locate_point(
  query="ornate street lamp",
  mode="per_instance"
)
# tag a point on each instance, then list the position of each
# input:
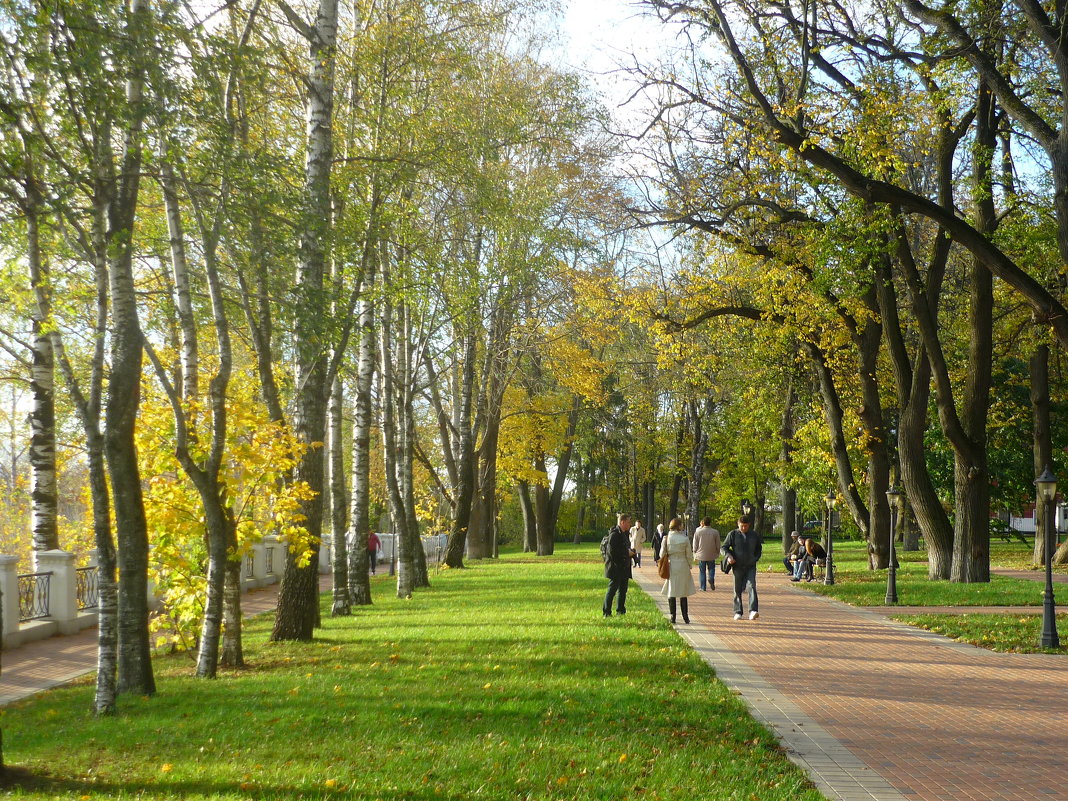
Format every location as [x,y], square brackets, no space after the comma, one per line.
[747,508]
[896,499]
[1047,492]
[828,572]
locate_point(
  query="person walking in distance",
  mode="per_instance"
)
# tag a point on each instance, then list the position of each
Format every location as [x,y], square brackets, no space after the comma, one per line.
[637,540]
[706,545]
[657,541]
[617,565]
[742,549]
[679,585]
[373,546]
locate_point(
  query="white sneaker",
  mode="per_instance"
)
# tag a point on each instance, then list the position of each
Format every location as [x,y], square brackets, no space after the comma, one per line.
[737,616]
[754,615]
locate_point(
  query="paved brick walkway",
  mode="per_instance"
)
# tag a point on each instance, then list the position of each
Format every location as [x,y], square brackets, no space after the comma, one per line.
[40,665]
[876,710]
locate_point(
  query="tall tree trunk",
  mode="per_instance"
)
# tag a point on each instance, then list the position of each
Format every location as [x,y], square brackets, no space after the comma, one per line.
[698,452]
[338,504]
[786,437]
[359,562]
[650,505]
[547,499]
[88,407]
[867,339]
[406,455]
[971,531]
[530,522]
[832,411]
[188,382]
[203,470]
[1042,443]
[676,484]
[391,450]
[912,378]
[465,468]
[42,387]
[582,488]
[232,652]
[124,386]
[298,597]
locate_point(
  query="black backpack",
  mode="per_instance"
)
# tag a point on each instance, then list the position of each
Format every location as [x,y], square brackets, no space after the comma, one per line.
[605,555]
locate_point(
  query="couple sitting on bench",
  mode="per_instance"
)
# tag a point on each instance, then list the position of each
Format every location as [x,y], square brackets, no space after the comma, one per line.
[804,556]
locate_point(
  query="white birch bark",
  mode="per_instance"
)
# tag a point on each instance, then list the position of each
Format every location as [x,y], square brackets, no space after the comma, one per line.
[338,501]
[188,385]
[359,562]
[298,602]
[42,453]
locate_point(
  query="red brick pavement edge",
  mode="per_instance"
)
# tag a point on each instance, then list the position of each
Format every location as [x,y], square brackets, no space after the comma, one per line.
[879,710]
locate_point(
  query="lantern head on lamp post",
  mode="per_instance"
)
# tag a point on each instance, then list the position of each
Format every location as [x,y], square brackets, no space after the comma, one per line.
[1047,492]
[895,497]
[828,573]
[747,508]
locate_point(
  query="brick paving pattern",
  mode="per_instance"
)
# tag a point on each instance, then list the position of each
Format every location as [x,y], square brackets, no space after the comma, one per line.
[879,711]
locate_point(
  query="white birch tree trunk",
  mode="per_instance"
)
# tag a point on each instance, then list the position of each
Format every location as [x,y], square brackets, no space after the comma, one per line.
[298,599]
[359,561]
[42,386]
[338,502]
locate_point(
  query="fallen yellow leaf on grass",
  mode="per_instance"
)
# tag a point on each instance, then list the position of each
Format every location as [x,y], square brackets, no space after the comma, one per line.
[166,767]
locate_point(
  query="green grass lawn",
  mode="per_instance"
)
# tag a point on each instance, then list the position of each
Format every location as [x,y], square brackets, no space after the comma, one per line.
[502,681]
[856,584]
[1013,633]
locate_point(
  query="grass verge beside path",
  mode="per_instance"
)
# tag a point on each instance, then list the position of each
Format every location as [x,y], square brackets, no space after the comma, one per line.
[856,584]
[1006,633]
[499,682]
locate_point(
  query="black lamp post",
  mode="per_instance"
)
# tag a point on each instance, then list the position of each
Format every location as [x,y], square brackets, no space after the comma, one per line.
[828,572]
[894,496]
[1047,492]
[747,508]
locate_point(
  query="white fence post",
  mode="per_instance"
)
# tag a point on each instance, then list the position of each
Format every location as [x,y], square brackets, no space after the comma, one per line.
[259,565]
[9,596]
[63,588]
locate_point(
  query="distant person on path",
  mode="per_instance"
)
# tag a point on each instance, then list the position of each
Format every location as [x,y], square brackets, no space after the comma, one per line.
[706,545]
[794,553]
[658,539]
[742,549]
[617,566]
[637,540]
[676,547]
[374,545]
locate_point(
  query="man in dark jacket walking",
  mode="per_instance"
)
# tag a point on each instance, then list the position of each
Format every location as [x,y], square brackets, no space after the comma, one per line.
[617,566]
[742,549]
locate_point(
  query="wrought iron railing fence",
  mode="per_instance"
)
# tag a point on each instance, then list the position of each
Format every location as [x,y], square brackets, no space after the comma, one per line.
[34,589]
[87,587]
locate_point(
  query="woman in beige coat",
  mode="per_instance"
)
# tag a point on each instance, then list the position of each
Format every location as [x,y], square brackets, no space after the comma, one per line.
[677,549]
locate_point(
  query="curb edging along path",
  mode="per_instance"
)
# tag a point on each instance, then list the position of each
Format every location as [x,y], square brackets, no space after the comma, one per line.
[873,709]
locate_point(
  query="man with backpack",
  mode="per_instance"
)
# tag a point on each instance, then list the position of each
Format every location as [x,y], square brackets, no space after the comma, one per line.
[617,554]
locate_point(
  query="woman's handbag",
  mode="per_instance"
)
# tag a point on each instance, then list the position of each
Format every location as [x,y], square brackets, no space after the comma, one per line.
[663,567]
